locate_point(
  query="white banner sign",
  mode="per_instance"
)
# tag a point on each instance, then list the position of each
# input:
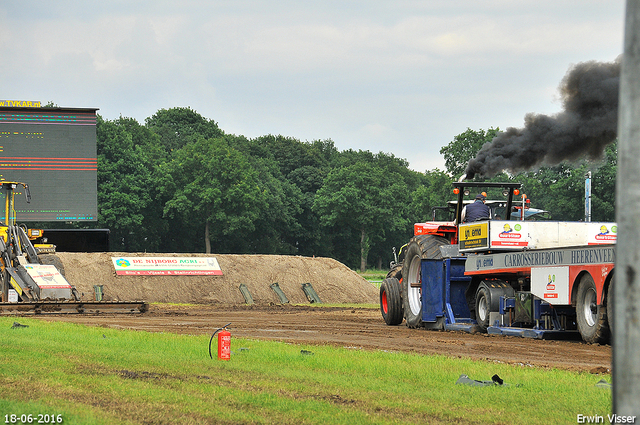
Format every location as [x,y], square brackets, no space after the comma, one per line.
[166,266]
[47,276]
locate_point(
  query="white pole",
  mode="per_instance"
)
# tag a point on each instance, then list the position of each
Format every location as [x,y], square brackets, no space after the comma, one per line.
[626,289]
[587,197]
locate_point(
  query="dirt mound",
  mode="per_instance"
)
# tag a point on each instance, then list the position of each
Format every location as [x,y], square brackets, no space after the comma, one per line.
[332,280]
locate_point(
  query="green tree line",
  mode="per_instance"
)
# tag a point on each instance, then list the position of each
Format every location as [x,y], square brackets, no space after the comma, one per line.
[178,183]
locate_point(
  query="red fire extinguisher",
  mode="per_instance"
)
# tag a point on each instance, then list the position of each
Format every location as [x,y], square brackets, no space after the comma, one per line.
[224,343]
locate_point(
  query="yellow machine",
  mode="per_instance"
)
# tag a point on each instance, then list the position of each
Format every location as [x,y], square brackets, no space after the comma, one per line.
[24,275]
[27,284]
[9,188]
[10,212]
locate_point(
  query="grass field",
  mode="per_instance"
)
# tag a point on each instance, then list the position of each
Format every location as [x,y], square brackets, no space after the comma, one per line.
[374,276]
[93,375]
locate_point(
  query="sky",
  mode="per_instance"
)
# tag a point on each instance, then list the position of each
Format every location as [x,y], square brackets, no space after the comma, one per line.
[402,77]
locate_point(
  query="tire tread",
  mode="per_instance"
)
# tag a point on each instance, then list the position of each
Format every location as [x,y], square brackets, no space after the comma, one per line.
[394,313]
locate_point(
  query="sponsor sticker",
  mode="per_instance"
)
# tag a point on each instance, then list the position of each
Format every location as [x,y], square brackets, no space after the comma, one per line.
[603,233]
[474,236]
[551,284]
[508,234]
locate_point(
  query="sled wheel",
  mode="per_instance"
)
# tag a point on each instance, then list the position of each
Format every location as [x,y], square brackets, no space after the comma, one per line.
[591,317]
[483,303]
[610,308]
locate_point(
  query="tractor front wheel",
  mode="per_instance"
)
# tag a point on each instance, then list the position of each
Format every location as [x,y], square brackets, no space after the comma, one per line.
[391,301]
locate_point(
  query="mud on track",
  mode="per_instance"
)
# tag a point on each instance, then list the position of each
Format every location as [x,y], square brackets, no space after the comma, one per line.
[354,328]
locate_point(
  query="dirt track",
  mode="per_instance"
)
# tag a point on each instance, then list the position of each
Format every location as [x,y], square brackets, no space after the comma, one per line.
[357,328]
[218,302]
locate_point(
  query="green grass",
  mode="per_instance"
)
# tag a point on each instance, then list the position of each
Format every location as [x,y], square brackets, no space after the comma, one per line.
[101,375]
[374,276]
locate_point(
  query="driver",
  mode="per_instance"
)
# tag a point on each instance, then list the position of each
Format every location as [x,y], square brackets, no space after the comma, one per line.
[477,210]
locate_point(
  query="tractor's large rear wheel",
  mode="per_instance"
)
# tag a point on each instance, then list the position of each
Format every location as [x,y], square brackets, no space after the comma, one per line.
[420,247]
[591,317]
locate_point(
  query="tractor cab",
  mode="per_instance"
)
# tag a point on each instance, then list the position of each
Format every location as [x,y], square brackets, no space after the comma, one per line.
[446,219]
[499,197]
[496,232]
[497,210]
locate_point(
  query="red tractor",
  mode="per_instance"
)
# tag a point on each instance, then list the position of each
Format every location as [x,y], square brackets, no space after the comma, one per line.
[400,292]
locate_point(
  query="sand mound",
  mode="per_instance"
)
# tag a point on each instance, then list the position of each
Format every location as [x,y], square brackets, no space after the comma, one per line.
[332,280]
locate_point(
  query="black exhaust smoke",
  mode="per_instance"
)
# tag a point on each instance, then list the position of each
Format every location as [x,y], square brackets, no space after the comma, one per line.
[587,124]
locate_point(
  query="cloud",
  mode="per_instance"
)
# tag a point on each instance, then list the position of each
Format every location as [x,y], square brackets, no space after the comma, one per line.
[404,76]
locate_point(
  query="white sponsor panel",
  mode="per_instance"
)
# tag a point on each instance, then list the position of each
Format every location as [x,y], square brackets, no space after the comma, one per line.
[509,234]
[46,276]
[551,284]
[51,283]
[517,235]
[13,296]
[166,266]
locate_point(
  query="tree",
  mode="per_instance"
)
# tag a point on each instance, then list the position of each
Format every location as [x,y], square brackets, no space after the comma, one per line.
[300,168]
[311,238]
[179,126]
[604,186]
[291,154]
[212,185]
[127,157]
[362,199]
[463,148]
[277,228]
[436,191]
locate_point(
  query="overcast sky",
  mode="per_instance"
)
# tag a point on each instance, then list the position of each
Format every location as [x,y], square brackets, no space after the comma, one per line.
[401,76]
